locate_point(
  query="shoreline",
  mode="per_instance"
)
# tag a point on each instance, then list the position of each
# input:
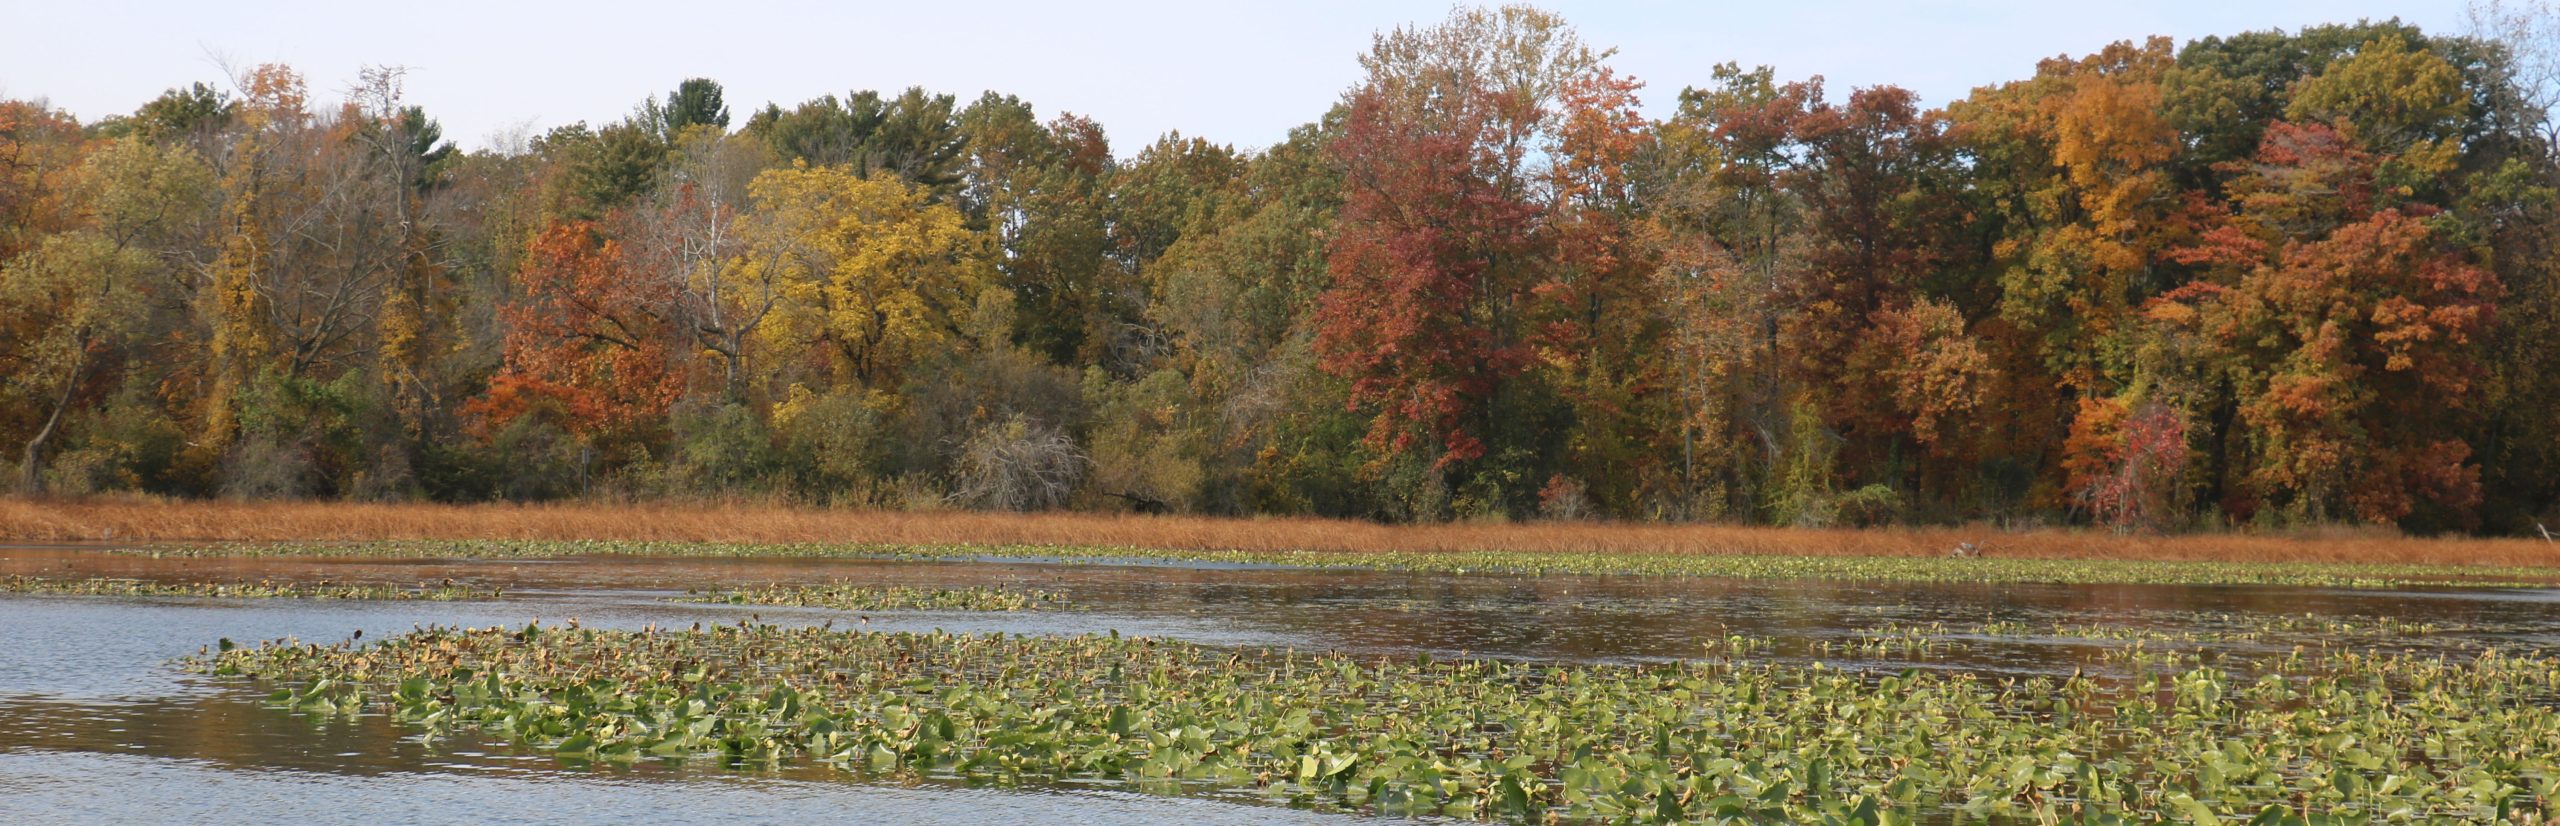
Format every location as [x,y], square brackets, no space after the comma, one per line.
[156,521]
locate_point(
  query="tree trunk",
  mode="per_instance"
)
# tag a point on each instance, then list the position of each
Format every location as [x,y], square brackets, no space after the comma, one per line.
[30,468]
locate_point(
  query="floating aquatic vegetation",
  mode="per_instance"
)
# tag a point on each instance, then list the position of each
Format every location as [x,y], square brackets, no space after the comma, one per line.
[854,597]
[2347,736]
[1890,640]
[1734,566]
[2216,628]
[261,589]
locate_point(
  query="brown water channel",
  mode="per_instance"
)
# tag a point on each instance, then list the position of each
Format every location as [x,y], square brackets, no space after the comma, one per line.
[98,725]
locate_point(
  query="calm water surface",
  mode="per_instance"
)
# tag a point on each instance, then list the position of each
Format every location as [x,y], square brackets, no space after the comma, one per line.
[98,725]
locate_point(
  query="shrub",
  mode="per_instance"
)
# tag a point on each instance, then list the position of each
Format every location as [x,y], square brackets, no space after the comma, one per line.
[1143,449]
[1017,465]
[947,406]
[2127,462]
[720,448]
[539,460]
[1564,499]
[829,442]
[1803,495]
[261,466]
[131,444]
[300,436]
[1868,507]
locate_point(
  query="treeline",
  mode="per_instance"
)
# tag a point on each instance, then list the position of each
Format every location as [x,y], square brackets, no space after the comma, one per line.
[2260,280]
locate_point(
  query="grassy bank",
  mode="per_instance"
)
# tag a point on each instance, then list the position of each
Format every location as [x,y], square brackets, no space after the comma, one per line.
[140,521]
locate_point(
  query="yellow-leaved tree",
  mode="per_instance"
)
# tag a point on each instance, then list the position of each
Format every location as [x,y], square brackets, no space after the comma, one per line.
[78,302]
[871,272]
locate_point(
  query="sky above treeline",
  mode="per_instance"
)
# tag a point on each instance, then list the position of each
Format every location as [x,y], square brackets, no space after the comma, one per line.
[1241,73]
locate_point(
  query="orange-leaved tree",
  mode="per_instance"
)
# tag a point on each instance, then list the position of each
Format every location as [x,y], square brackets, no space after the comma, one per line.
[588,340]
[2348,327]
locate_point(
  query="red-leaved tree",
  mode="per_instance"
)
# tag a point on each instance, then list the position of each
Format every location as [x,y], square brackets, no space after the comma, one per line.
[1459,152]
[587,340]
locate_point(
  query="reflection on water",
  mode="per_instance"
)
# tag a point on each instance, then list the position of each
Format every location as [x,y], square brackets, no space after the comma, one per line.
[58,788]
[90,700]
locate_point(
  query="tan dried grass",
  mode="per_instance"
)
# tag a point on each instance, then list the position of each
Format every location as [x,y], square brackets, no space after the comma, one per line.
[147,520]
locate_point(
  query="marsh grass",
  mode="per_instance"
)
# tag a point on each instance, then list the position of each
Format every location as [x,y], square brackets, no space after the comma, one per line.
[145,520]
[1531,563]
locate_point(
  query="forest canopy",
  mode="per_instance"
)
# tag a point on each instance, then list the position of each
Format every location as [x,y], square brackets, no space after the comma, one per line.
[2266,279]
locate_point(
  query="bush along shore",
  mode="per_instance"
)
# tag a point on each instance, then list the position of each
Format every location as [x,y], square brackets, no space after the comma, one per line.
[2328,737]
[1732,566]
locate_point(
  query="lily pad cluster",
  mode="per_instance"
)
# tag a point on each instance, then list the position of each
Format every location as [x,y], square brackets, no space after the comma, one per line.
[261,589]
[2351,736]
[2195,628]
[858,597]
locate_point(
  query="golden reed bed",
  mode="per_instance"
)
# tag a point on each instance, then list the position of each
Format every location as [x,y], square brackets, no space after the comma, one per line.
[195,521]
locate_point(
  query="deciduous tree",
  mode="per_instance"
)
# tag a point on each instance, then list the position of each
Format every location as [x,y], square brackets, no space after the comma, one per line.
[588,340]
[872,273]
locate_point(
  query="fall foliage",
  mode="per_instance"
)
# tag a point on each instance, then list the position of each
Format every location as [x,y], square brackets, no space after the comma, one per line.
[2261,279]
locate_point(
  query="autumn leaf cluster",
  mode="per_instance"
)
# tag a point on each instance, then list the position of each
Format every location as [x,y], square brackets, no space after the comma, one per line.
[2264,279]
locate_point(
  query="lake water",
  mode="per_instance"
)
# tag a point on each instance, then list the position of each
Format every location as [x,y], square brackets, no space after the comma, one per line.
[98,724]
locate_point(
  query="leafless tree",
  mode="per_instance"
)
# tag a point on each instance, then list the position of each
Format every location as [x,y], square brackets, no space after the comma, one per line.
[1016,464]
[689,236]
[2530,29]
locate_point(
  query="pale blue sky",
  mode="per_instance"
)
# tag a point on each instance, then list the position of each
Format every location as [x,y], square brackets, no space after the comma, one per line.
[1236,73]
